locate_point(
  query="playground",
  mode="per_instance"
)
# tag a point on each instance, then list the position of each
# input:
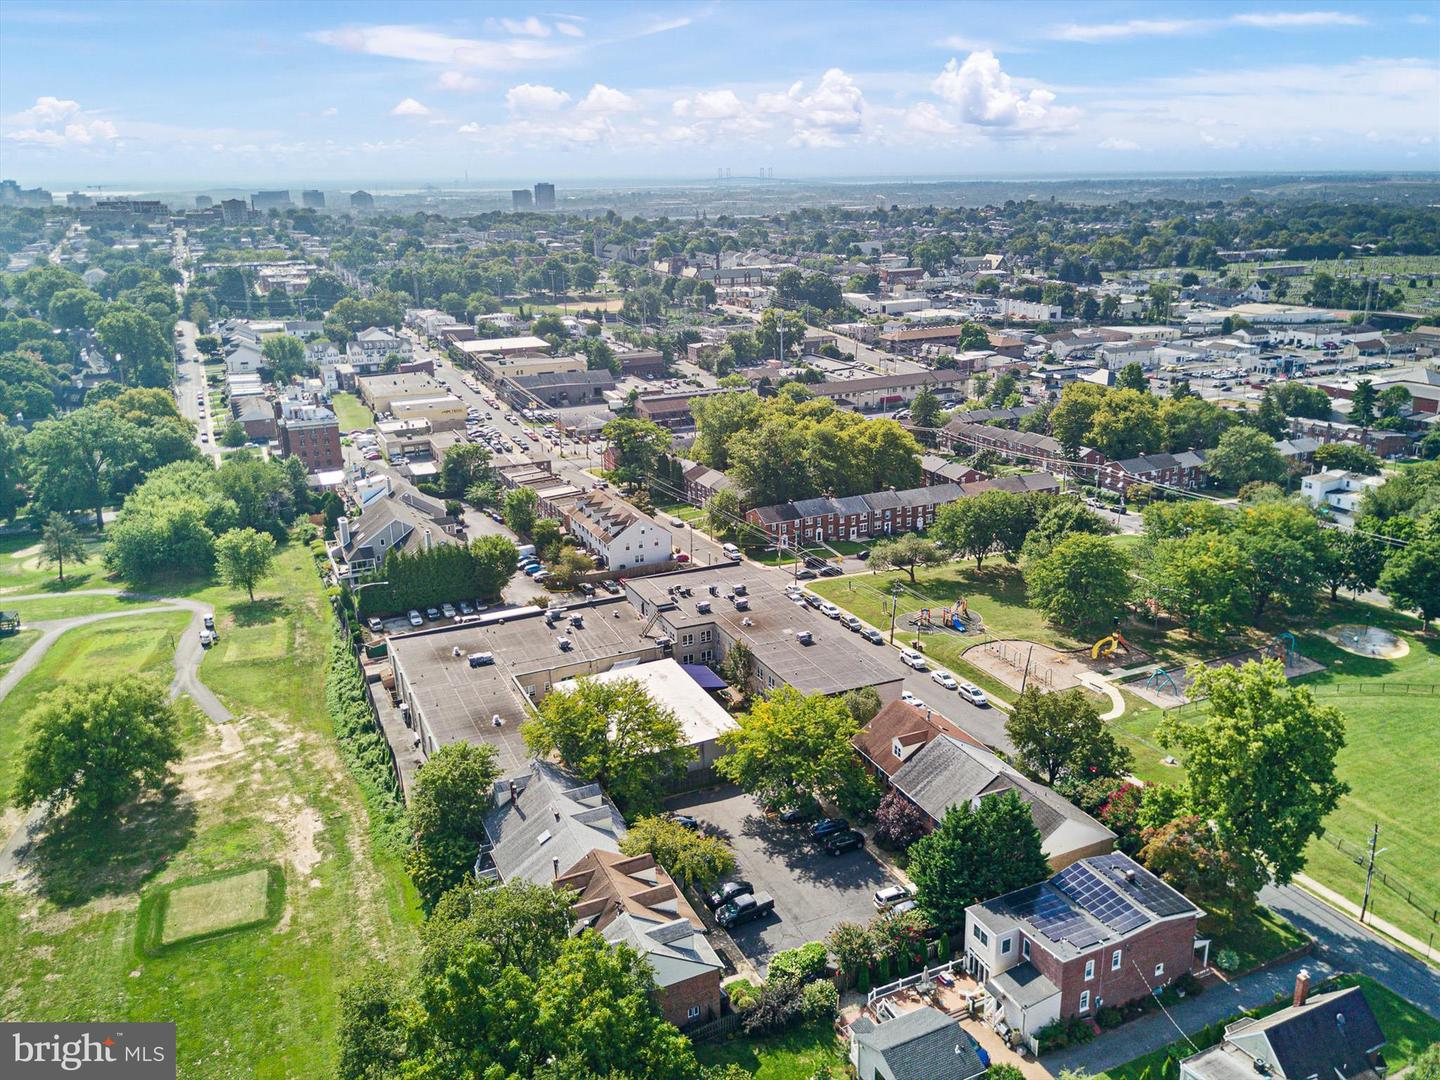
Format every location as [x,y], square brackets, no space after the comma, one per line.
[955,619]
[1169,688]
[1374,641]
[1018,663]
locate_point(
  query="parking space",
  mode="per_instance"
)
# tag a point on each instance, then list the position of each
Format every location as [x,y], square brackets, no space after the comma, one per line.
[813,891]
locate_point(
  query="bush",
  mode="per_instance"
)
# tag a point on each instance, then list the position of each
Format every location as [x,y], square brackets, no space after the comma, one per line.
[1227,959]
[1004,1072]
[898,822]
[819,1000]
[777,1007]
[742,993]
[1109,1017]
[363,746]
[798,965]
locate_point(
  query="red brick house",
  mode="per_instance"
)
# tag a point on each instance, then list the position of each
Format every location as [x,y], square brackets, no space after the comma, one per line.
[1102,931]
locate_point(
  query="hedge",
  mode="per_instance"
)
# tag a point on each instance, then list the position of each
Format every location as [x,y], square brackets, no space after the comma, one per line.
[446,573]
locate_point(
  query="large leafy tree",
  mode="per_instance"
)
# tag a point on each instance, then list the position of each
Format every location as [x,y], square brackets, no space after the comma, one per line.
[956,864]
[1350,560]
[243,558]
[791,748]
[691,857]
[1071,418]
[1184,852]
[724,516]
[1243,455]
[94,747]
[906,553]
[1061,736]
[12,469]
[1202,579]
[1191,423]
[637,446]
[1083,581]
[465,465]
[79,461]
[137,344]
[521,506]
[614,733]
[285,356]
[447,816]
[1282,543]
[1125,424]
[1261,765]
[1412,578]
[985,524]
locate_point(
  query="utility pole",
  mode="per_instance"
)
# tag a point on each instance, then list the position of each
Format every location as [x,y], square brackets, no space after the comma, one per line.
[894,607]
[1370,869]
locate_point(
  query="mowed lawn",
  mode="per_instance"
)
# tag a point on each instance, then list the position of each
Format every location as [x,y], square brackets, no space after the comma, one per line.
[22,572]
[350,412]
[254,1003]
[805,1053]
[70,605]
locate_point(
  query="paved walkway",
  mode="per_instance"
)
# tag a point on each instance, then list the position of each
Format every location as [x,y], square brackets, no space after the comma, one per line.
[188,654]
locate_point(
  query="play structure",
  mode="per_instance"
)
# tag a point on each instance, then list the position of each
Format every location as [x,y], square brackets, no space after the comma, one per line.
[1162,682]
[957,617]
[1108,644]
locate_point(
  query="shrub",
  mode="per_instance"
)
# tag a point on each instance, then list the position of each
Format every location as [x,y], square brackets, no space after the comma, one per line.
[742,994]
[1004,1072]
[798,965]
[362,744]
[1052,1037]
[862,981]
[1109,1017]
[898,822]
[777,1007]
[819,1000]
[1227,959]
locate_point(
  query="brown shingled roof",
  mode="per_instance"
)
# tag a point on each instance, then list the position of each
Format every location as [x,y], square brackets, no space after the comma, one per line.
[912,726]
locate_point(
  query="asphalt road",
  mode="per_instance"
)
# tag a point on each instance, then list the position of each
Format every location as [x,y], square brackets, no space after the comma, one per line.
[190,381]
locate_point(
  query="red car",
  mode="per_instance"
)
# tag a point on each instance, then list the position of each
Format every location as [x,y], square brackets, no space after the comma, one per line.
[681,557]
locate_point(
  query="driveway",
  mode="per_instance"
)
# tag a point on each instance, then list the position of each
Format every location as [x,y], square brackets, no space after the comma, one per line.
[813,891]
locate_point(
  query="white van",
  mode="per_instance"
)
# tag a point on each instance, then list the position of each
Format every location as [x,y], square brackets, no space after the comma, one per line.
[911,658]
[731,552]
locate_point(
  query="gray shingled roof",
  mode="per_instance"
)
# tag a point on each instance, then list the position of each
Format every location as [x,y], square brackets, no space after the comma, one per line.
[923,1044]
[555,817]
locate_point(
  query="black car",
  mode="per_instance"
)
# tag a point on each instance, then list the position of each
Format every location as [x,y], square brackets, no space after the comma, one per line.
[863,554]
[841,842]
[685,821]
[825,826]
[831,570]
[727,892]
[815,562]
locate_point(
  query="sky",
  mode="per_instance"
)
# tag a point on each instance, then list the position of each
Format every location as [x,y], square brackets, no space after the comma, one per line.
[208,92]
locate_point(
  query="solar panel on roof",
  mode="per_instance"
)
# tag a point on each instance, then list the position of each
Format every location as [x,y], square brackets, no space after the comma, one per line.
[1054,918]
[1100,898]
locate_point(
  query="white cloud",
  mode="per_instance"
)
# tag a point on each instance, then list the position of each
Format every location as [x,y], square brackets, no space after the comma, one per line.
[604,99]
[1291,20]
[415,43]
[985,95]
[925,119]
[410,107]
[1093,32]
[710,105]
[469,129]
[530,98]
[835,108]
[330,111]
[457,82]
[1113,143]
[48,110]
[531,27]
[661,26]
[569,29]
[57,122]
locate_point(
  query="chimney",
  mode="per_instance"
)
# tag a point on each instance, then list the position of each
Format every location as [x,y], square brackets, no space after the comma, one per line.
[555,865]
[342,529]
[514,792]
[1302,986]
[557,814]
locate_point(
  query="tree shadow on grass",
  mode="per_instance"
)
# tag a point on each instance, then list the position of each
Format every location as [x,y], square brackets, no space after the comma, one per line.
[258,612]
[78,860]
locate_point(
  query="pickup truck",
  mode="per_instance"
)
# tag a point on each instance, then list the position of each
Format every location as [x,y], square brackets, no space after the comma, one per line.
[744,908]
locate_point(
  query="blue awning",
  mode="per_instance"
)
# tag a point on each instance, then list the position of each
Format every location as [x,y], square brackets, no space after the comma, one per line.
[704,677]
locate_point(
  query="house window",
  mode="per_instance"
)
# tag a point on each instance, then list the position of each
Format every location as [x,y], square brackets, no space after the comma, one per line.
[687,639]
[1115,960]
[693,1012]
[1089,970]
[704,636]
[1084,1001]
[1159,971]
[981,936]
[707,655]
[1005,946]
[688,658]
[1025,948]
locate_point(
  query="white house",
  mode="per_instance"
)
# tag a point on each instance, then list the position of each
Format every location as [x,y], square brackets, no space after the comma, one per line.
[1338,490]
[244,359]
[624,536]
[372,345]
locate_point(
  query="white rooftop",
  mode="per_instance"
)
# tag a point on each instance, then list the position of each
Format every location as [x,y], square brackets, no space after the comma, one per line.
[667,684]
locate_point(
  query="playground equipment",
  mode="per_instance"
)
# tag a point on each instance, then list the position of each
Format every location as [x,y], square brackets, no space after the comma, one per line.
[1162,682]
[1286,648]
[957,617]
[1107,645]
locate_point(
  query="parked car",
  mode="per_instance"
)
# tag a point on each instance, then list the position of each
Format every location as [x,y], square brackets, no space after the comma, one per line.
[910,699]
[831,570]
[677,523]
[796,814]
[850,622]
[685,820]
[829,610]
[945,679]
[806,575]
[912,659]
[532,569]
[414,617]
[863,554]
[432,614]
[610,587]
[376,626]
[465,608]
[875,637]
[743,909]
[888,897]
[448,610]
[727,892]
[973,694]
[904,907]
[811,599]
[841,842]
[207,638]
[825,826]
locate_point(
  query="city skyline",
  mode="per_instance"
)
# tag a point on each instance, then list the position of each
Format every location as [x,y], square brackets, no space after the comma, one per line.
[324,93]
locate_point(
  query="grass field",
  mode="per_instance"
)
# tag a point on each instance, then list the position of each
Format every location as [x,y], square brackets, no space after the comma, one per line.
[803,1054]
[68,606]
[12,647]
[350,412]
[255,1003]
[144,644]
[1408,1029]
[211,906]
[22,572]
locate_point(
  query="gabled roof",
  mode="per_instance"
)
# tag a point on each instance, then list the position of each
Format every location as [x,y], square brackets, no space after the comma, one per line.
[675,950]
[554,821]
[609,884]
[922,1044]
[901,720]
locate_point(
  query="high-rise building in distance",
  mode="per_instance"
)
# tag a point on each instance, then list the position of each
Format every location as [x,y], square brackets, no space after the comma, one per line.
[520,199]
[312,200]
[270,200]
[544,196]
[362,200]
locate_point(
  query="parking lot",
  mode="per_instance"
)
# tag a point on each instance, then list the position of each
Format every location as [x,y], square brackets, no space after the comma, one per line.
[813,891]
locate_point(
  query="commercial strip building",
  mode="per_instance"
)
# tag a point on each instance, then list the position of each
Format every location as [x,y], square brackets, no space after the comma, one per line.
[874,392]
[673,410]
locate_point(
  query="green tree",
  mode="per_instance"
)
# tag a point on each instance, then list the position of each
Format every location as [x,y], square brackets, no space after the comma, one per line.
[693,858]
[568,568]
[1063,518]
[1344,455]
[233,436]
[60,540]
[1125,424]
[12,469]
[791,748]
[1132,377]
[521,506]
[1301,399]
[370,1035]
[1245,454]
[906,553]
[1260,765]
[1071,419]
[1082,582]
[75,309]
[636,446]
[243,557]
[1362,403]
[1191,423]
[285,356]
[1282,543]
[984,524]
[1200,578]
[137,345]
[724,516]
[955,865]
[465,465]
[925,408]
[1061,736]
[447,808]
[1411,578]
[738,667]
[79,461]
[1351,560]
[93,747]
[1184,852]
[208,345]
[613,733]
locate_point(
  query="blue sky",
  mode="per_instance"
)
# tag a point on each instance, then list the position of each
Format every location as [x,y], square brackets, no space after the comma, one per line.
[213,92]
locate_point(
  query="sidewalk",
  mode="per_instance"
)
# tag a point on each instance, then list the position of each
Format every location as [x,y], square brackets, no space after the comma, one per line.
[1349,907]
[1219,1002]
